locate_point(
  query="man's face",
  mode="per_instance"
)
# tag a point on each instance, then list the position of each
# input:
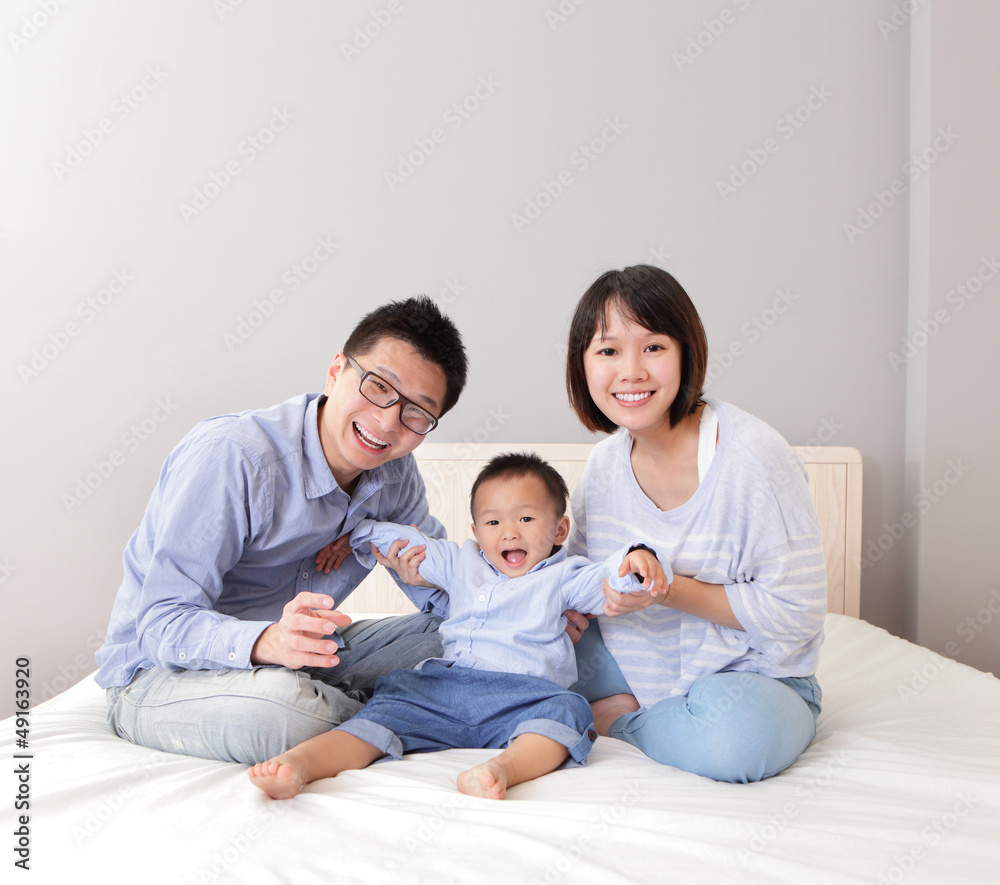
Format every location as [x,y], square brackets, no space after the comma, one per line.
[356,434]
[516,523]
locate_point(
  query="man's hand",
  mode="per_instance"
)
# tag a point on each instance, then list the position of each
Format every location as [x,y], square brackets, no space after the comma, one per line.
[298,639]
[404,563]
[576,623]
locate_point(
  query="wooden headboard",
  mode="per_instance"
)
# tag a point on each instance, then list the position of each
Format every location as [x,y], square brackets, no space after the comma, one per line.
[449,470]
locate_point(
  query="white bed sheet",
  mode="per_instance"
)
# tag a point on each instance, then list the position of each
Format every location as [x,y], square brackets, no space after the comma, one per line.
[902,784]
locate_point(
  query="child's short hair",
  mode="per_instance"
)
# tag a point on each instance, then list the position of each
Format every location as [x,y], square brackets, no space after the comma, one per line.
[512,464]
[420,323]
[653,299]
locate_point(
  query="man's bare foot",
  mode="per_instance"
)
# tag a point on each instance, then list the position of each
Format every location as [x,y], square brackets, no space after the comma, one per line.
[607,710]
[488,781]
[279,780]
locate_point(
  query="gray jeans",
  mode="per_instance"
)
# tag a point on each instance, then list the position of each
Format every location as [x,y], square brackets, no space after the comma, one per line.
[252,715]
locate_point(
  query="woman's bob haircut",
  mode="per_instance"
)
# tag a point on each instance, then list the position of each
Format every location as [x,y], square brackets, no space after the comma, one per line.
[653,299]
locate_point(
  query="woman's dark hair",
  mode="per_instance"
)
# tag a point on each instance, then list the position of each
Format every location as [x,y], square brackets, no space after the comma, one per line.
[513,464]
[418,322]
[653,299]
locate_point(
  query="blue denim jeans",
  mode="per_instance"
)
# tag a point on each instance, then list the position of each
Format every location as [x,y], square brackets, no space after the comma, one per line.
[442,706]
[733,726]
[252,715]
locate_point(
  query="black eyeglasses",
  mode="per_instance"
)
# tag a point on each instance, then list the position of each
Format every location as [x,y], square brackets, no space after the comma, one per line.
[381,393]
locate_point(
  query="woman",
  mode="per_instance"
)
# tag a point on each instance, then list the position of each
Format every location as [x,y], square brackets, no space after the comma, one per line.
[718,667]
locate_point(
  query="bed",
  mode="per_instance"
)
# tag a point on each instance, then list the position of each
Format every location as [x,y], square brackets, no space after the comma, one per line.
[902,783]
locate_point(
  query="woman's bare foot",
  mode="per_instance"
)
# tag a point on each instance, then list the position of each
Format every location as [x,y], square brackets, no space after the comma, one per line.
[488,781]
[607,710]
[280,780]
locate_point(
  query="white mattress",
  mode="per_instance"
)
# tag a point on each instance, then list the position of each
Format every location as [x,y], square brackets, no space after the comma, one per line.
[902,784]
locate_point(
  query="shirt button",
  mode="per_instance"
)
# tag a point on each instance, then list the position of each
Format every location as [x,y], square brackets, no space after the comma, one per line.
[183,656]
[305,574]
[232,656]
[592,734]
[482,597]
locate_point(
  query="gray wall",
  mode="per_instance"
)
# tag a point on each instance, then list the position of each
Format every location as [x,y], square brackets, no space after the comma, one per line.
[170,172]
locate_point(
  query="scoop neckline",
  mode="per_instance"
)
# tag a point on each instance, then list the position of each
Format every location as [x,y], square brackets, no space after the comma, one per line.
[707,482]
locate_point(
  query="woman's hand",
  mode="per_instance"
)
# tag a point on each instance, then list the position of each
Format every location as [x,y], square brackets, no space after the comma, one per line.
[616,603]
[655,585]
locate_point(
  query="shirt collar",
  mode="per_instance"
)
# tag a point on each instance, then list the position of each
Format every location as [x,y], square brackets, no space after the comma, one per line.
[317,478]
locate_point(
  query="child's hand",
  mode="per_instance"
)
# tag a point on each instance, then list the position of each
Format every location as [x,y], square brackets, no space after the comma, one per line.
[645,563]
[655,585]
[333,554]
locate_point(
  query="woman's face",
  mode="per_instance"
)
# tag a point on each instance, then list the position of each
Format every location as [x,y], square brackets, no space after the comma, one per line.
[633,375]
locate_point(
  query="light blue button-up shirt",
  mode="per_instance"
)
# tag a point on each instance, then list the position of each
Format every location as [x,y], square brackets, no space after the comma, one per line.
[242,506]
[513,625]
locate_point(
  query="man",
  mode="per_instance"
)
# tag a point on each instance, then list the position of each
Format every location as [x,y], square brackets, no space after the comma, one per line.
[221,642]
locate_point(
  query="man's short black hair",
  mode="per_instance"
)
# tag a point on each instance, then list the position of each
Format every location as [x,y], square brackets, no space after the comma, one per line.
[420,323]
[513,464]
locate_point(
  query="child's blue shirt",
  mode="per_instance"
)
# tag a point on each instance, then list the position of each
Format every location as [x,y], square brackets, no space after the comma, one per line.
[513,625]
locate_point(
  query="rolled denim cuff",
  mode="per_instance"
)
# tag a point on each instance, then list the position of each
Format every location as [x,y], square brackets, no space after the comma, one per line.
[579,745]
[372,733]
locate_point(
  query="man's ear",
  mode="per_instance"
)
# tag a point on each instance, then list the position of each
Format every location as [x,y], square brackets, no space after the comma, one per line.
[562,530]
[336,367]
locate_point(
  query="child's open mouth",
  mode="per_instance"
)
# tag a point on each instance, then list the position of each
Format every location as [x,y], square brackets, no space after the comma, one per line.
[515,557]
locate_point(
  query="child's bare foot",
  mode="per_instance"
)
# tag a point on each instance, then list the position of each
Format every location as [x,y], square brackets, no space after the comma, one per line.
[607,710]
[488,781]
[280,780]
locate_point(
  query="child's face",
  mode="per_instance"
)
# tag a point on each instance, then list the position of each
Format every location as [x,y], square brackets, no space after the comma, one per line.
[516,523]
[633,374]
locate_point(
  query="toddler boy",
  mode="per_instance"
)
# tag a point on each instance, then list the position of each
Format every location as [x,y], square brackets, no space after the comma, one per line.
[507,663]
